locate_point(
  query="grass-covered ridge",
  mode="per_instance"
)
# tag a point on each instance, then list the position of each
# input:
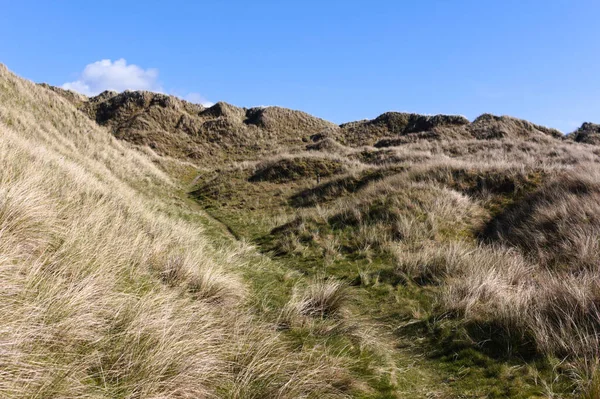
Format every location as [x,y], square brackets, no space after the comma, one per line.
[153,248]
[474,255]
[111,288]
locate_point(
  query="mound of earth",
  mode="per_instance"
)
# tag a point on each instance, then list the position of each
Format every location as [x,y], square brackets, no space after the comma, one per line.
[588,133]
[488,126]
[178,128]
[397,124]
[394,128]
[289,169]
[287,120]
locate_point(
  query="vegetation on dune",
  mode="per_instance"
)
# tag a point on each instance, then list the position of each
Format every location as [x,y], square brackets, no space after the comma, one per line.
[406,256]
[453,242]
[338,187]
[186,131]
[111,288]
[295,168]
[558,223]
[588,133]
[395,128]
[489,126]
[402,124]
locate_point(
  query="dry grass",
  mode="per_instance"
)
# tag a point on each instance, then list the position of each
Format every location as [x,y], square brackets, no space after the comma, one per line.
[558,224]
[322,298]
[104,293]
[395,204]
[558,311]
[317,305]
[506,230]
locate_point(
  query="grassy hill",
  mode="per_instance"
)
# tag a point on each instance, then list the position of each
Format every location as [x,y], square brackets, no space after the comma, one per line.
[174,127]
[154,248]
[479,257]
[112,284]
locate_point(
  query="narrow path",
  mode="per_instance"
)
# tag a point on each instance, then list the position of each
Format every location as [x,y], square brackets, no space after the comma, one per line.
[414,377]
[228,228]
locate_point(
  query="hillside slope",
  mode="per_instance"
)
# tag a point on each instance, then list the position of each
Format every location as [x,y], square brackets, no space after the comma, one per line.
[395,128]
[183,130]
[224,133]
[474,245]
[408,256]
[110,288]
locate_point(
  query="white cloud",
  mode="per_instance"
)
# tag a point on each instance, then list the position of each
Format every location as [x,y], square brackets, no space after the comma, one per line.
[197,98]
[118,76]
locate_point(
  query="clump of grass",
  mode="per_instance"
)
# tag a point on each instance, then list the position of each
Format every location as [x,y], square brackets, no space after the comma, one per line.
[212,284]
[321,298]
[556,312]
[401,210]
[558,224]
[176,269]
[431,264]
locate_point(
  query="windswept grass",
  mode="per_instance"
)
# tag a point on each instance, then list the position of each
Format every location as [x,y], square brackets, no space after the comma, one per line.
[452,259]
[322,298]
[482,250]
[107,292]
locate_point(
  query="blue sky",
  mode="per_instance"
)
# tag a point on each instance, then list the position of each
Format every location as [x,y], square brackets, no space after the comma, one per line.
[340,60]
